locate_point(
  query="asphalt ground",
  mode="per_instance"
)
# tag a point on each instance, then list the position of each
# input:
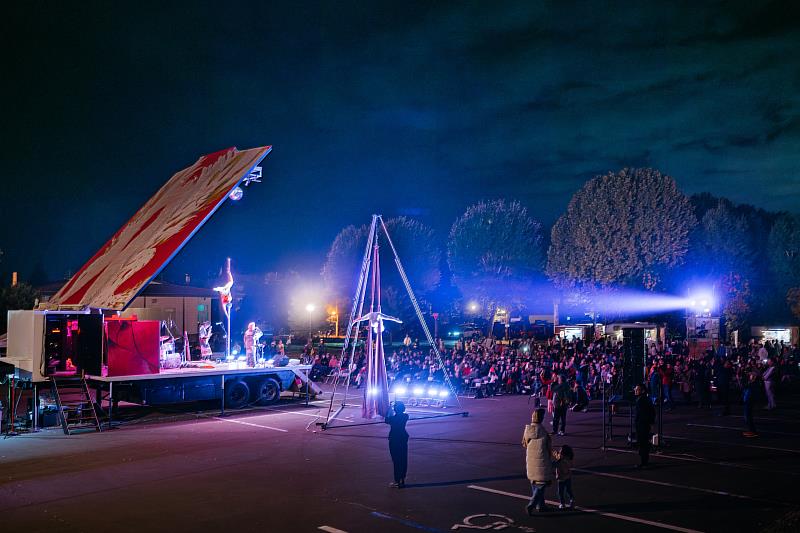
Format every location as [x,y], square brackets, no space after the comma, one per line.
[274,469]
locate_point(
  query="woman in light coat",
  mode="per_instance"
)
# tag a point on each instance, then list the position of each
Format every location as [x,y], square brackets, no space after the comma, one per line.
[538,460]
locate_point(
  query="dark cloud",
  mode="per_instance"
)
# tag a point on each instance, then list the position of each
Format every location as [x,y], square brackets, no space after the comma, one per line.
[392,107]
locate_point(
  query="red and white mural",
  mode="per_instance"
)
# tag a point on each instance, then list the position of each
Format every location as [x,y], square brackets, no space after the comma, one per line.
[146,243]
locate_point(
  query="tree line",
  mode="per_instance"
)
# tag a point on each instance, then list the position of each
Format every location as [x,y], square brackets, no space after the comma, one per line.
[630,229]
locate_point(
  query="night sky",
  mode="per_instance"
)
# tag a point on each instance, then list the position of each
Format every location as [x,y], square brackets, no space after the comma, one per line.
[398,108]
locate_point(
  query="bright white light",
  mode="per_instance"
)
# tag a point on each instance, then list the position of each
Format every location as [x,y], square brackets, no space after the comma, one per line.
[418,391]
[444,393]
[432,392]
[455,333]
[400,389]
[372,391]
[706,310]
[704,302]
[236,194]
[310,308]
[473,306]
[693,303]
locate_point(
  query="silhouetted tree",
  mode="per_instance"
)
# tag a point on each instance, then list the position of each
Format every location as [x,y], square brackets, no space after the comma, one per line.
[20,296]
[621,228]
[494,251]
[416,245]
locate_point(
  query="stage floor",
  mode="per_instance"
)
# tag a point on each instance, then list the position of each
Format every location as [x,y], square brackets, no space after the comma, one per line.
[219,369]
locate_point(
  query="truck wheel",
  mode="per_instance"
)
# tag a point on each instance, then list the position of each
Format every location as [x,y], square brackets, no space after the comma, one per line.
[267,391]
[237,394]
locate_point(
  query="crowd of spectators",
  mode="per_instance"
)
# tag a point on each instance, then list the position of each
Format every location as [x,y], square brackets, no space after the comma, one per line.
[486,367]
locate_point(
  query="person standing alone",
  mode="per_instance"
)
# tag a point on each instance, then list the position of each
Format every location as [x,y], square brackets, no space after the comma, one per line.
[398,442]
[645,416]
[560,405]
[770,377]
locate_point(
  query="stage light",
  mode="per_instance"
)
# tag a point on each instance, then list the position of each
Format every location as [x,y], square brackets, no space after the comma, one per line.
[310,308]
[401,390]
[707,310]
[444,393]
[473,307]
[432,392]
[418,391]
[372,391]
[236,194]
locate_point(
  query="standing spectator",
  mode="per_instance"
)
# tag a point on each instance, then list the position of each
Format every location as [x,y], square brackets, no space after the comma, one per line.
[702,384]
[722,373]
[398,443]
[538,460]
[645,416]
[748,390]
[666,384]
[560,405]
[563,466]
[770,378]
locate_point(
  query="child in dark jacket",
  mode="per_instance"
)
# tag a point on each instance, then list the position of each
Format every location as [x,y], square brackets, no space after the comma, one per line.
[563,466]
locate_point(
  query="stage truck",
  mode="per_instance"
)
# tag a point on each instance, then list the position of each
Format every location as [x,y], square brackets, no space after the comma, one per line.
[77,342]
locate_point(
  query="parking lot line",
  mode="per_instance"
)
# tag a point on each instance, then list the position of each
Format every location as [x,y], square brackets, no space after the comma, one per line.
[742,445]
[673,485]
[626,518]
[740,429]
[243,423]
[695,459]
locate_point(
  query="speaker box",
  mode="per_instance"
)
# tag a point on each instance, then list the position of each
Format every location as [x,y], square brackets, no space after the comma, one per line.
[633,360]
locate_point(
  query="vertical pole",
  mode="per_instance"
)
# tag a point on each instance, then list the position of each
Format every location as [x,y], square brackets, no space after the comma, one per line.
[222,400]
[110,403]
[308,384]
[12,408]
[603,392]
[228,335]
[35,427]
[660,428]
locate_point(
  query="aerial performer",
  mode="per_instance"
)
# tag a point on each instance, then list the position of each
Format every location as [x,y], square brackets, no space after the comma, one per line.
[226,300]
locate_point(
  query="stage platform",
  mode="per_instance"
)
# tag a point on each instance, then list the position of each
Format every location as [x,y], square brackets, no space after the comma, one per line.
[226,369]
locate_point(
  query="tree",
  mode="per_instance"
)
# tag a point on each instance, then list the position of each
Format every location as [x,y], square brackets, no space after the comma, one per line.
[784,251]
[622,228]
[793,299]
[736,293]
[723,252]
[723,243]
[416,245]
[494,250]
[784,259]
[19,296]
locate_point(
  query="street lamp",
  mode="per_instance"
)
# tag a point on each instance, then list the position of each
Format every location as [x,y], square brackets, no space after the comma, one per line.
[310,308]
[473,306]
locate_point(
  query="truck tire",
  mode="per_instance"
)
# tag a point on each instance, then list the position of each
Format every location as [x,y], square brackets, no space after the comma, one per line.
[267,391]
[237,394]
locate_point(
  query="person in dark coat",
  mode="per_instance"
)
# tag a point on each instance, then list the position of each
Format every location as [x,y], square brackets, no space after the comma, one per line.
[722,377]
[748,391]
[560,405]
[645,416]
[398,442]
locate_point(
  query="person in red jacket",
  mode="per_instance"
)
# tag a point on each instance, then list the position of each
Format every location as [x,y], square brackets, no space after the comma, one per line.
[667,375]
